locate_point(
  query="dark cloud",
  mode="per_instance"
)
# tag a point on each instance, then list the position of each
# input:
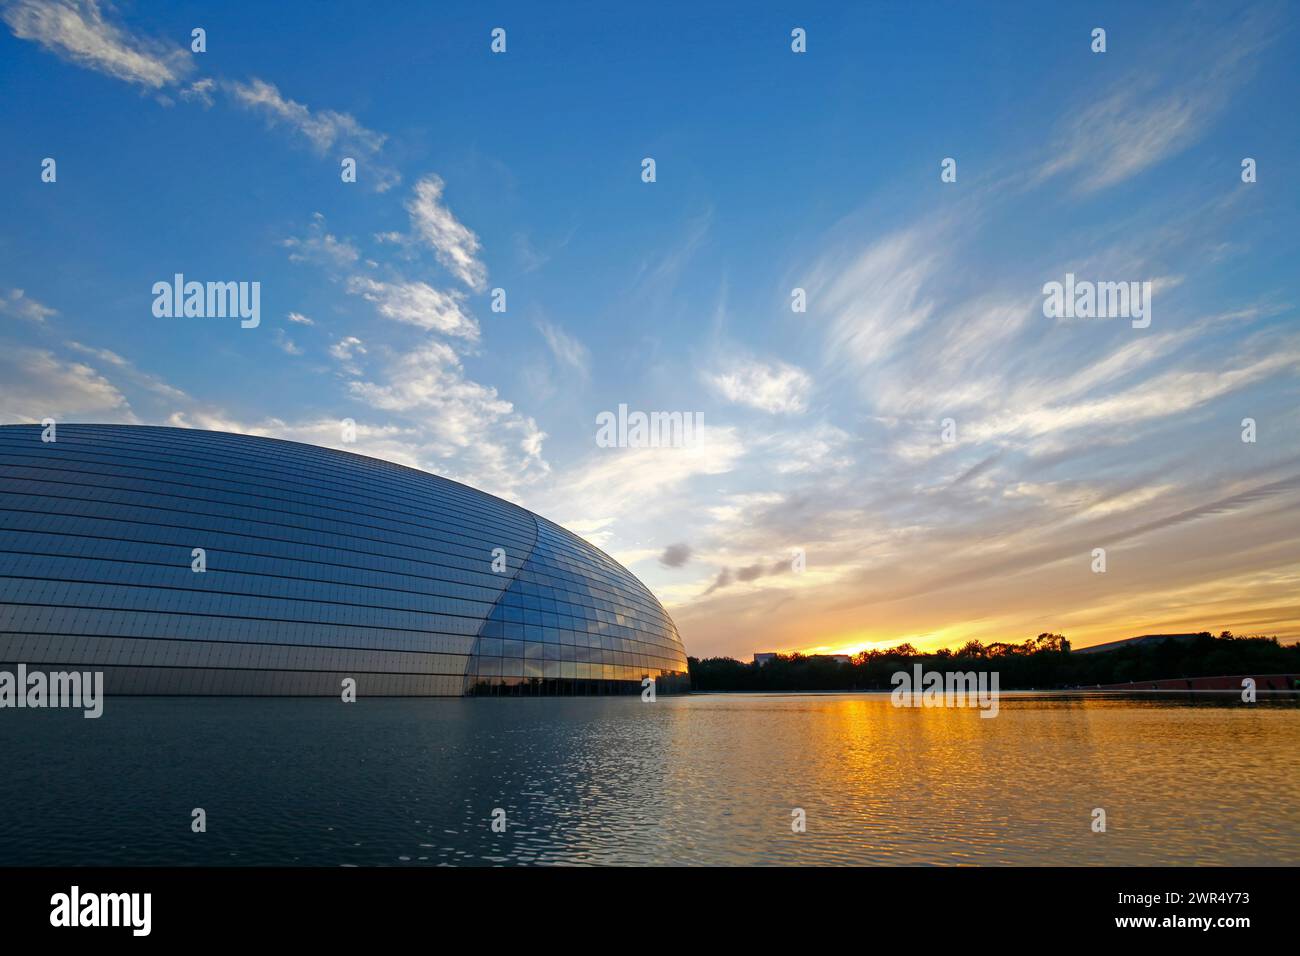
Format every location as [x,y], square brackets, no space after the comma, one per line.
[721,581]
[751,572]
[675,555]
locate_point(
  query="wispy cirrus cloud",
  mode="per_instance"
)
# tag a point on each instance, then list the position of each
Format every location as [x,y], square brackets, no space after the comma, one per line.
[568,351]
[1127,132]
[879,297]
[1175,392]
[1146,117]
[76,30]
[285,344]
[454,244]
[322,129]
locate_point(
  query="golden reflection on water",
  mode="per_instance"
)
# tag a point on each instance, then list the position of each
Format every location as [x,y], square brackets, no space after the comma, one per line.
[880,784]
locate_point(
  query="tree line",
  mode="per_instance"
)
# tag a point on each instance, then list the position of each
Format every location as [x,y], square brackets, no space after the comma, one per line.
[1043,662]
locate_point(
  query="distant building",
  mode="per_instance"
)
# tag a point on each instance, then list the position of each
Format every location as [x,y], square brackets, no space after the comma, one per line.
[1136,641]
[762,660]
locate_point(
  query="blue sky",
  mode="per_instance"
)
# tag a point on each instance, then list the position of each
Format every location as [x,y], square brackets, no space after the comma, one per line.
[775,170]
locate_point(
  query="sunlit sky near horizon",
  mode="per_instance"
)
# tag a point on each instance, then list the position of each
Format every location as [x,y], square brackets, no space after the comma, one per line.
[774,170]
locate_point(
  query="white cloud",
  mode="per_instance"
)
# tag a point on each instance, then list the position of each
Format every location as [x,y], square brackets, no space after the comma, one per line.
[455,246]
[821,448]
[321,247]
[618,485]
[77,31]
[200,91]
[132,374]
[35,384]
[1081,501]
[417,303]
[345,349]
[323,129]
[1172,393]
[16,303]
[768,386]
[299,319]
[431,377]
[467,429]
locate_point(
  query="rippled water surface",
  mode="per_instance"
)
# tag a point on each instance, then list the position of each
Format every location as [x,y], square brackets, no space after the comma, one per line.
[685,780]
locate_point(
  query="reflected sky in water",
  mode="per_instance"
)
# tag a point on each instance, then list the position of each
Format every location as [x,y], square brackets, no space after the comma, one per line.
[708,779]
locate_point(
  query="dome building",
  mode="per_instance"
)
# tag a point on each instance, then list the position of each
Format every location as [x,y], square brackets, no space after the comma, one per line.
[180,561]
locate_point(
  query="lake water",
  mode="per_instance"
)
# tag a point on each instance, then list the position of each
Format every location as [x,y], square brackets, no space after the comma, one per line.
[708,779]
